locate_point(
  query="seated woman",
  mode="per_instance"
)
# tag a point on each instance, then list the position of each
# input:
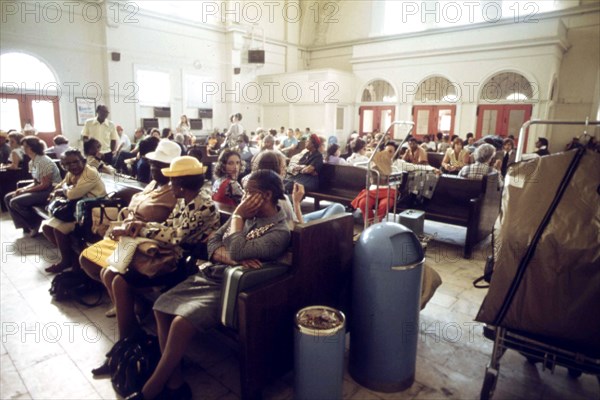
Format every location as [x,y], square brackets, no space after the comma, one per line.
[61,144]
[153,204]
[306,172]
[190,223]
[455,158]
[91,149]
[483,155]
[333,155]
[226,189]
[140,164]
[256,232]
[17,153]
[379,193]
[359,151]
[15,170]
[81,181]
[45,175]
[275,162]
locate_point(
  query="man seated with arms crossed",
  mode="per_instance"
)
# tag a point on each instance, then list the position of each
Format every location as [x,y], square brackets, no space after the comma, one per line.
[415,154]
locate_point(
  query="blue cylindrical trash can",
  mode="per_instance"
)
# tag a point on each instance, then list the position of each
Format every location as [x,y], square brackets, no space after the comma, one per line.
[319,343]
[386,289]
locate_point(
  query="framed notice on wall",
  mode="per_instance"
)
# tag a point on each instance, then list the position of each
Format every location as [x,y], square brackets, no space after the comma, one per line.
[86,109]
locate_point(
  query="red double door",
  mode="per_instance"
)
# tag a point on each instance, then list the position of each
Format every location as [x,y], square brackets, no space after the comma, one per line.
[42,112]
[502,120]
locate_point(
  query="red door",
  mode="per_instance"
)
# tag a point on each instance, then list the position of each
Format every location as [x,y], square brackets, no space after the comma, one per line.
[430,120]
[502,120]
[376,118]
[42,112]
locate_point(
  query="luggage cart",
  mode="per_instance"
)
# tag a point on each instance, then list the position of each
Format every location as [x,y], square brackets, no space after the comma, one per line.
[395,179]
[549,352]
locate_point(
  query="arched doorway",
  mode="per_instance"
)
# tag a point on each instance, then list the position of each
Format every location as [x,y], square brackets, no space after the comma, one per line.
[505,104]
[433,109]
[29,96]
[378,116]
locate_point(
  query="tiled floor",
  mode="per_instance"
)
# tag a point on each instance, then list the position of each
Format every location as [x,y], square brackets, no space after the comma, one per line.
[48,348]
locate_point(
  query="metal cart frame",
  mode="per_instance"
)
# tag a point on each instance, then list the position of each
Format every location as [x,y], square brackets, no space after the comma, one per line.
[533,348]
[392,179]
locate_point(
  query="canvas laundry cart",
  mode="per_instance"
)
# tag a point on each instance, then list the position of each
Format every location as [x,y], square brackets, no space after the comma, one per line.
[545,290]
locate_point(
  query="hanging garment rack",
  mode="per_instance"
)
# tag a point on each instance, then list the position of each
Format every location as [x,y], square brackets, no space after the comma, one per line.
[526,125]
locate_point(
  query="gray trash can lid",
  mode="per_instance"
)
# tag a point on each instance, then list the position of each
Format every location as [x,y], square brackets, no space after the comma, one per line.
[320,321]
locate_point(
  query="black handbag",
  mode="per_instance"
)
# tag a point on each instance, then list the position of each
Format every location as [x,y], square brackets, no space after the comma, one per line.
[63,209]
[132,361]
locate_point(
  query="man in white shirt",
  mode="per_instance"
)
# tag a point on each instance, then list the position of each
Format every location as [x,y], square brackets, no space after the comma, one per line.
[103,130]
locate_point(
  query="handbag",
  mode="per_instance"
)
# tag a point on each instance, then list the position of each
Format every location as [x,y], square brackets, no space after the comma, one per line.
[63,209]
[132,361]
[94,216]
[152,260]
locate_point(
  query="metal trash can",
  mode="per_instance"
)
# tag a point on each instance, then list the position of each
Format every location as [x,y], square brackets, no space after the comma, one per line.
[319,342]
[386,290]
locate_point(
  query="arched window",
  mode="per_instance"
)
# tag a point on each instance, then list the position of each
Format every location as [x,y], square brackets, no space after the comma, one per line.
[507,86]
[25,71]
[436,89]
[379,91]
[29,94]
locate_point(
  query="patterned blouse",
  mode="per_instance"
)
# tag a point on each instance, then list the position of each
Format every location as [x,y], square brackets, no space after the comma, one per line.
[187,223]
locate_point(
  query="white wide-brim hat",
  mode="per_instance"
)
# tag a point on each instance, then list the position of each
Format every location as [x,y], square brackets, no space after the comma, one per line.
[165,152]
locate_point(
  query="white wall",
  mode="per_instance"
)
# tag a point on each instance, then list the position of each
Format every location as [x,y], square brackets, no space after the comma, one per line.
[307,99]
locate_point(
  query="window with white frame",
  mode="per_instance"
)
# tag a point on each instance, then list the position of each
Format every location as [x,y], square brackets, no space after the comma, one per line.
[154,88]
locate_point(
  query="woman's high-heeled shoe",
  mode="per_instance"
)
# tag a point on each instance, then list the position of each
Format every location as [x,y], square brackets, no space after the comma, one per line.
[104,369]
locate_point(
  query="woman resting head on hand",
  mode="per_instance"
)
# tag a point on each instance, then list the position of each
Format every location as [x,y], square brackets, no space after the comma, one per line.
[256,232]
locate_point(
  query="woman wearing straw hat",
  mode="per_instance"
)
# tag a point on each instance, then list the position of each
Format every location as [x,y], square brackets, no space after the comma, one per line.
[188,226]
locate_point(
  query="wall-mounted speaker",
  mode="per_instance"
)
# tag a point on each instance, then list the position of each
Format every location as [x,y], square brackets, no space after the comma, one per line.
[237,70]
[256,56]
[162,112]
[115,56]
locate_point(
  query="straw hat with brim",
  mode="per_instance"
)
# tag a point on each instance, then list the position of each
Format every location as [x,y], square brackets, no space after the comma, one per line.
[184,166]
[165,152]
[383,162]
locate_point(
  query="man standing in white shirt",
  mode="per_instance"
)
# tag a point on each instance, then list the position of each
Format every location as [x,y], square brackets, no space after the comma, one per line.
[103,130]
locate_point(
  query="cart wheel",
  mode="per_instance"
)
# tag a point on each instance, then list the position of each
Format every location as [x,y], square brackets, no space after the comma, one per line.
[489,385]
[574,373]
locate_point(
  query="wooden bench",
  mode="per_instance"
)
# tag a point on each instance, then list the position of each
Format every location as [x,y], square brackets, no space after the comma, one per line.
[470,203]
[435,159]
[342,183]
[339,183]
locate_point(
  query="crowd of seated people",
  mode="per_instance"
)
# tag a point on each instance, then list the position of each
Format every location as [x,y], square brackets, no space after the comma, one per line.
[178,208]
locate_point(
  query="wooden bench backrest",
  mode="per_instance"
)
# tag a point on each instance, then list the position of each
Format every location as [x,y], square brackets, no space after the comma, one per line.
[453,189]
[435,159]
[342,176]
[321,258]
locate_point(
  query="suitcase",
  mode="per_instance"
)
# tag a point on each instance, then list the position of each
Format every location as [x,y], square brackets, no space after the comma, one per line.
[236,279]
[413,220]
